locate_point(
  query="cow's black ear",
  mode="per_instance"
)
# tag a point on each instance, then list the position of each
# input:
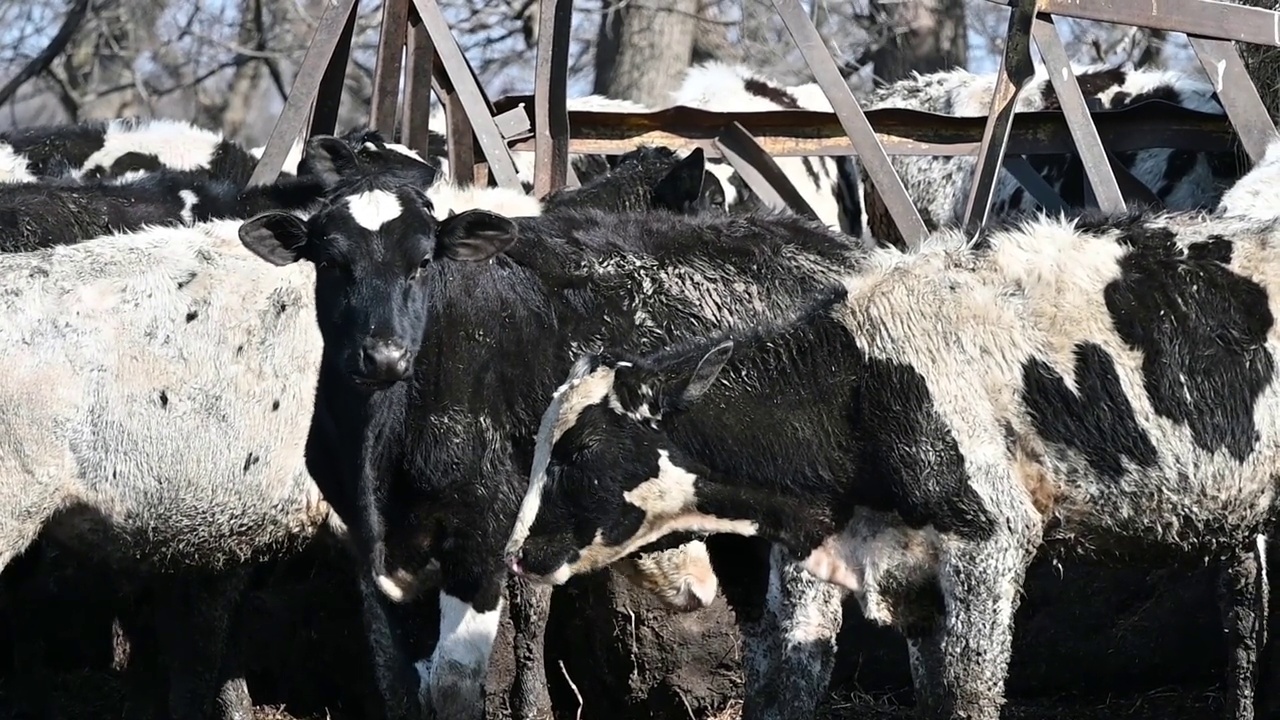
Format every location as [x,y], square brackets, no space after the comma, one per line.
[277,237]
[328,159]
[681,187]
[474,235]
[708,369]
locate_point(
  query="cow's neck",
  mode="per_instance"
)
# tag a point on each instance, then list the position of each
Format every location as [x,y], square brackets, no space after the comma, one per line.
[771,433]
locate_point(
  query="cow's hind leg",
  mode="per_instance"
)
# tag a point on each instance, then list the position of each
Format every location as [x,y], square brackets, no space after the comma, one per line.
[1242,597]
[194,618]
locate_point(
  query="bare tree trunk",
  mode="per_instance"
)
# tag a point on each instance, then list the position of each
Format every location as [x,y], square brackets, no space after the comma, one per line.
[643,49]
[929,35]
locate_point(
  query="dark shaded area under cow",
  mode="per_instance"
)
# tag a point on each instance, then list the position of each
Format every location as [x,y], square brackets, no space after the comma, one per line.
[1115,643]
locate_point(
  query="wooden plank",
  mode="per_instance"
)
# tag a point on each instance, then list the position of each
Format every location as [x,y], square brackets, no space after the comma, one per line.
[386,71]
[849,112]
[416,111]
[760,171]
[303,93]
[1237,93]
[468,96]
[1015,70]
[1101,179]
[324,114]
[551,116]
[1203,18]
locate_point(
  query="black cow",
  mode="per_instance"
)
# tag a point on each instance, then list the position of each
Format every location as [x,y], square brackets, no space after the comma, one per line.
[444,337]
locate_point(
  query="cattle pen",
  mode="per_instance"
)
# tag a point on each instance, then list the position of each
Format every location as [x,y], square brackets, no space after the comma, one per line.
[1131,643]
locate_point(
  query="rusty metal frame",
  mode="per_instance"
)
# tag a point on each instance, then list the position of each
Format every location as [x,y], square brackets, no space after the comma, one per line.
[550,98]
[1237,93]
[415,120]
[1015,70]
[386,72]
[874,159]
[759,171]
[320,55]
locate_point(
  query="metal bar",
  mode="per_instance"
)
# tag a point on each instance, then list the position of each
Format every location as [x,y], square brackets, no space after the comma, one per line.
[515,123]
[1134,189]
[386,73]
[855,124]
[303,92]
[1034,183]
[1015,69]
[324,115]
[550,111]
[468,94]
[1101,180]
[760,171]
[416,111]
[462,142]
[1237,93]
[1203,18]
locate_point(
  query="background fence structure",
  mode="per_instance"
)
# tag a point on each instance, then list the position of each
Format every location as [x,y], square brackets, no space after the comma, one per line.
[482,132]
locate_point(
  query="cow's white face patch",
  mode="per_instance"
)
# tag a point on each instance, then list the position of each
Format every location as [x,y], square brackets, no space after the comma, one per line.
[374,208]
[189,200]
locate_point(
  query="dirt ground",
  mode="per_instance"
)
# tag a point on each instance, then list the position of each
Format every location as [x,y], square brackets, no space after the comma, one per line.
[1140,644]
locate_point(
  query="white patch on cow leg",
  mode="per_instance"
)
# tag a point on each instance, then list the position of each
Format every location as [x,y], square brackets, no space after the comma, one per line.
[453,679]
[374,208]
[14,167]
[189,200]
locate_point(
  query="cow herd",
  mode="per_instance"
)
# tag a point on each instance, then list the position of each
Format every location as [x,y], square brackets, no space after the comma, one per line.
[481,394]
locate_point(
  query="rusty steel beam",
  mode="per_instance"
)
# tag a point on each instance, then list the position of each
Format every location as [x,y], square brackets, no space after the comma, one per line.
[760,171]
[1101,179]
[1015,70]
[303,93]
[786,133]
[1237,93]
[1203,18]
[416,110]
[1033,182]
[855,124]
[386,71]
[467,96]
[550,111]
[324,114]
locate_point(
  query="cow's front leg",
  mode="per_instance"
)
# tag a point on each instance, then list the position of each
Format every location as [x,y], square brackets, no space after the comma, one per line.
[1242,598]
[452,681]
[982,584]
[808,613]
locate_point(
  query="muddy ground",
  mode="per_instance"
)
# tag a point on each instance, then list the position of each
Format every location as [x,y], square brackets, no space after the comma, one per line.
[1091,643]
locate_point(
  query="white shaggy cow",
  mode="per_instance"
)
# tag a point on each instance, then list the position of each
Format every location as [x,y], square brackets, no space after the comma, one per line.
[1104,386]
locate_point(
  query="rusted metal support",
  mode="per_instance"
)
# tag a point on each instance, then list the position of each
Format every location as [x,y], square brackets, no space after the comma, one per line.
[787,133]
[760,171]
[462,141]
[386,73]
[468,97]
[1204,18]
[1134,189]
[1237,93]
[416,110]
[1093,156]
[849,112]
[324,115]
[303,93]
[550,112]
[1015,69]
[1033,182]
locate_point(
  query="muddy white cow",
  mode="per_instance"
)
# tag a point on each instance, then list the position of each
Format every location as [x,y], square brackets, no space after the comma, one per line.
[1098,386]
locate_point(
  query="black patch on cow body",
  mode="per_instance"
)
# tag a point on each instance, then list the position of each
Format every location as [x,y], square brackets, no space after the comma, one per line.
[164,399]
[192,315]
[776,95]
[249,461]
[1097,420]
[1202,330]
[275,405]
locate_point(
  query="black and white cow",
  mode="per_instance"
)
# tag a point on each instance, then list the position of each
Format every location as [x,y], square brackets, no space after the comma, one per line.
[443,337]
[939,186]
[1098,386]
[60,211]
[647,178]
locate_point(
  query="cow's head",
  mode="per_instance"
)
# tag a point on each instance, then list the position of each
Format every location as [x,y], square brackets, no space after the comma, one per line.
[333,160]
[372,241]
[606,479]
[648,178]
